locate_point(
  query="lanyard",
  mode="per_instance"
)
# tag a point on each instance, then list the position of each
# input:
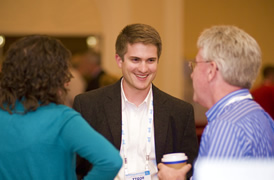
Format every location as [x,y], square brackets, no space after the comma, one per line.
[148,135]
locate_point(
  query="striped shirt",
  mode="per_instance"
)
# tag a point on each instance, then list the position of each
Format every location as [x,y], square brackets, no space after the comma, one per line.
[237,127]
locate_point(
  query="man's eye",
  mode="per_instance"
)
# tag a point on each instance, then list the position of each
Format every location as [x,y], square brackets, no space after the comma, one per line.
[151,60]
[134,59]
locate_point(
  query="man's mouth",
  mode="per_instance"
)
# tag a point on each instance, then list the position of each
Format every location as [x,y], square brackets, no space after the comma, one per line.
[142,76]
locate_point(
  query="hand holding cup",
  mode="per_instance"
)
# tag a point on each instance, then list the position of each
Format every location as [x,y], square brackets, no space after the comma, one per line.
[173,167]
[175,160]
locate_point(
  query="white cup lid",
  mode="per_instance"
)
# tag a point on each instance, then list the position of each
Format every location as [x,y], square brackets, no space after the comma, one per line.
[174,158]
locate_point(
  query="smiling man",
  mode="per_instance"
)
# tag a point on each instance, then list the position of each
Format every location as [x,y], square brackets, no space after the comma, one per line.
[140,120]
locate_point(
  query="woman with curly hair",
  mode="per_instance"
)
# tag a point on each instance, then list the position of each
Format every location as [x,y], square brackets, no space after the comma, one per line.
[39,137]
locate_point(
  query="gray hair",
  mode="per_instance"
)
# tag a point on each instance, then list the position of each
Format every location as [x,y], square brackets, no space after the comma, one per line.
[236,53]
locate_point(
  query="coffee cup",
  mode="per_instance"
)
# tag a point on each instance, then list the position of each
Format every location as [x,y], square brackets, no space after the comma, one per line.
[175,160]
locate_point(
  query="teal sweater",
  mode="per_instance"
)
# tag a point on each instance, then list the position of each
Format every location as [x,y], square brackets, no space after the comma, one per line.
[43,144]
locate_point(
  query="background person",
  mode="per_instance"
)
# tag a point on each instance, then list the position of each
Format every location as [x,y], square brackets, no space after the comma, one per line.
[152,123]
[39,136]
[264,94]
[75,86]
[225,68]
[89,66]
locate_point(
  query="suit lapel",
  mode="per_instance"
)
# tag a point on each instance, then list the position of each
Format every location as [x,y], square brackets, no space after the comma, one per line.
[161,120]
[113,113]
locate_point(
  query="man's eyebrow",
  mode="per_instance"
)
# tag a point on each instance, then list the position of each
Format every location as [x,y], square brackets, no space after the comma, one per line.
[134,57]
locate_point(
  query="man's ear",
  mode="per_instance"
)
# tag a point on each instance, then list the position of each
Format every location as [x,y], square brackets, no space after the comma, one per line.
[119,60]
[212,71]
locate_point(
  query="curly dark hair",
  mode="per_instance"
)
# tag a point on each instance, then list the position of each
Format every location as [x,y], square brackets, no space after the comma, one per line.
[34,72]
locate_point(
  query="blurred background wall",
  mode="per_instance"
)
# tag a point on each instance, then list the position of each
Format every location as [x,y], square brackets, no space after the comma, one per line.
[179,23]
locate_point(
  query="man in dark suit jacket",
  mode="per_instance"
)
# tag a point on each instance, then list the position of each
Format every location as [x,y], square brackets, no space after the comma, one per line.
[173,119]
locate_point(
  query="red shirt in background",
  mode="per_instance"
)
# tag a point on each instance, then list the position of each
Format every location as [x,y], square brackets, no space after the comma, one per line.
[264,95]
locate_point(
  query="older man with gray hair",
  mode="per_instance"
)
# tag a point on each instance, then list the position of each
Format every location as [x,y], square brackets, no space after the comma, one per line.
[225,68]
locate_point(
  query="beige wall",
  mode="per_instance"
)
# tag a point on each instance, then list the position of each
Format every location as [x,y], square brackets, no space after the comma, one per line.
[67,17]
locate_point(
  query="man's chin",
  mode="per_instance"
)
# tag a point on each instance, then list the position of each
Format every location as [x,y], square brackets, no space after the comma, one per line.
[142,87]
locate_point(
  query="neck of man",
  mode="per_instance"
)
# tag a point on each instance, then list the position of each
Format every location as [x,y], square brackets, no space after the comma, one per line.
[135,96]
[223,90]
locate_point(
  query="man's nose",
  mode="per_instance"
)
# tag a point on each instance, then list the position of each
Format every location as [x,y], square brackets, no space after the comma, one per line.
[143,67]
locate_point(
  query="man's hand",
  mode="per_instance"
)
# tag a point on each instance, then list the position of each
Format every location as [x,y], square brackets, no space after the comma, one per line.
[167,173]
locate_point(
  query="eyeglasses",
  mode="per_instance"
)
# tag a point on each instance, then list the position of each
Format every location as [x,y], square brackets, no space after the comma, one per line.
[192,64]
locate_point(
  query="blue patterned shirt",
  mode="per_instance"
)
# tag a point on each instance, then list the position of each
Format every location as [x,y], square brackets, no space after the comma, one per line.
[237,127]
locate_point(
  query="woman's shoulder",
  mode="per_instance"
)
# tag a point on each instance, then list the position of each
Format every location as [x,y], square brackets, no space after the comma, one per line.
[58,111]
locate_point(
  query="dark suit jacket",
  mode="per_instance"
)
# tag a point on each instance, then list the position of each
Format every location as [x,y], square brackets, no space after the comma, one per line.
[174,125]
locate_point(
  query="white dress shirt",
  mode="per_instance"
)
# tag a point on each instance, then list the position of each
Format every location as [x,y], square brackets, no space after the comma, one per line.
[136,130]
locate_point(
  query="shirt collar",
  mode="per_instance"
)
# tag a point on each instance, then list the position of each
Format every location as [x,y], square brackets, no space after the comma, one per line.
[217,108]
